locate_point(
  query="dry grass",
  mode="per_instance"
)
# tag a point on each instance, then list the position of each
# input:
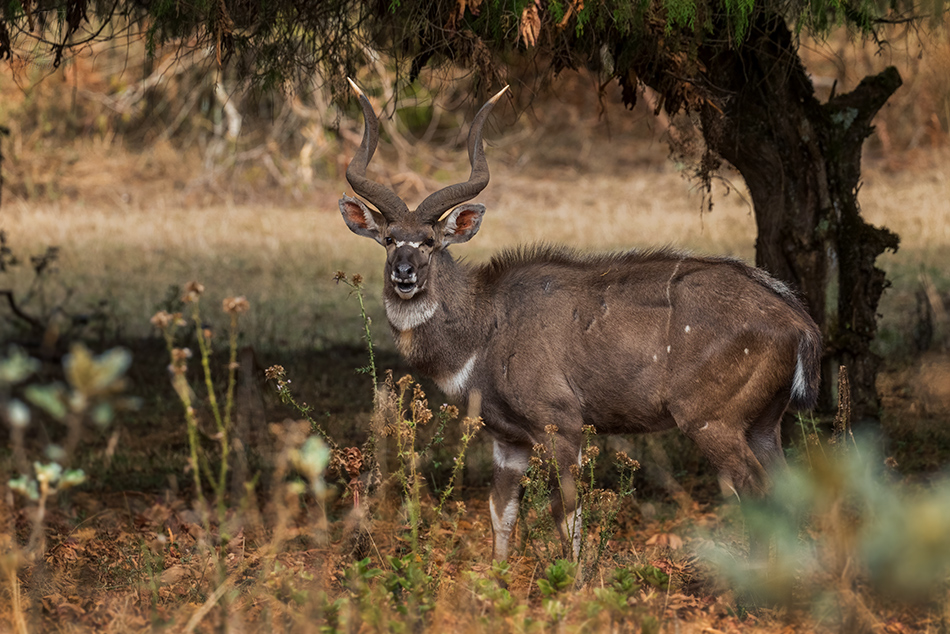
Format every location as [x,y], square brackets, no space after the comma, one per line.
[285,257]
[129,250]
[133,239]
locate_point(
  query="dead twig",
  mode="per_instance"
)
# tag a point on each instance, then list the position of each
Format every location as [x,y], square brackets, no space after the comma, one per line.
[35,324]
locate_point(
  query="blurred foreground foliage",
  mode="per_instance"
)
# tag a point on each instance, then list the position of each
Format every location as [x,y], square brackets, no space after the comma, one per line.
[850,537]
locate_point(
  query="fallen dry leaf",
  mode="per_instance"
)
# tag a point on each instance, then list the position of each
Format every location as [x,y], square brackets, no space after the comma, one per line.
[574,7]
[173,575]
[530,26]
[670,540]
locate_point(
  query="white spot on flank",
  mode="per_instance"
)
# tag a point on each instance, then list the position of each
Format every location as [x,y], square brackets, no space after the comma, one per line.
[405,316]
[687,328]
[654,357]
[746,351]
[668,349]
[509,459]
[705,425]
[455,384]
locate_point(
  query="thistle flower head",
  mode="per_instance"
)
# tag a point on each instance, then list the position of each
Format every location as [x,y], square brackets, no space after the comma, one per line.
[193,291]
[162,319]
[450,411]
[472,425]
[179,362]
[235,305]
[627,461]
[590,453]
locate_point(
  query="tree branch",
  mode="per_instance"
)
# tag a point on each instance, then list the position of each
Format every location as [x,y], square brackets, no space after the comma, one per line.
[33,321]
[869,96]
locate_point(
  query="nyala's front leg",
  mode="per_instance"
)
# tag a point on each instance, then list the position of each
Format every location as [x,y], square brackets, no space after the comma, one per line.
[510,463]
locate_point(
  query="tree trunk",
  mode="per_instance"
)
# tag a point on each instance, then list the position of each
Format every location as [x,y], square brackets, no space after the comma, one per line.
[801,161]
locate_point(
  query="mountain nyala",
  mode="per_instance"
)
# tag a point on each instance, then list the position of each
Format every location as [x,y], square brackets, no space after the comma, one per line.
[549,338]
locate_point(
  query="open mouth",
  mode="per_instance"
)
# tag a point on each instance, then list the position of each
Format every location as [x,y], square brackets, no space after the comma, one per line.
[405,288]
[406,285]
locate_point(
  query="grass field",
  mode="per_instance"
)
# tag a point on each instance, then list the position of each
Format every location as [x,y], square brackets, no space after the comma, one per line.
[136,548]
[283,256]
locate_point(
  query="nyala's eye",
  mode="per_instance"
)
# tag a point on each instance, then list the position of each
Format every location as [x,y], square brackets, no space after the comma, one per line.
[389,240]
[429,243]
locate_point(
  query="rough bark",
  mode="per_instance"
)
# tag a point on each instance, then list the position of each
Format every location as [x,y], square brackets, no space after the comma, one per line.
[801,160]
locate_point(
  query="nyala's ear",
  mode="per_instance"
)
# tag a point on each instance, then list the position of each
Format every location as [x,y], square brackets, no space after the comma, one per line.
[462,223]
[361,220]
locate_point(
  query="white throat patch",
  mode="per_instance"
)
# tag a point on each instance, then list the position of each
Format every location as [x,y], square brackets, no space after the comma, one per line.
[456,384]
[406,316]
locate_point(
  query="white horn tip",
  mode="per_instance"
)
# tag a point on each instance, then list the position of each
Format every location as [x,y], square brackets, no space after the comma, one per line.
[499,94]
[356,88]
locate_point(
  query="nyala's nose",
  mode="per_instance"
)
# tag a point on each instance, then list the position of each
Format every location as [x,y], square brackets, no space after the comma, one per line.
[405,270]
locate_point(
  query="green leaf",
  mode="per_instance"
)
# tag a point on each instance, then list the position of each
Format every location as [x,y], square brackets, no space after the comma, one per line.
[49,398]
[560,576]
[680,13]
[25,486]
[625,582]
[610,599]
[653,576]
[17,367]
[555,610]
[92,376]
[50,472]
[102,414]
[363,570]
[311,460]
[501,571]
[546,588]
[72,477]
